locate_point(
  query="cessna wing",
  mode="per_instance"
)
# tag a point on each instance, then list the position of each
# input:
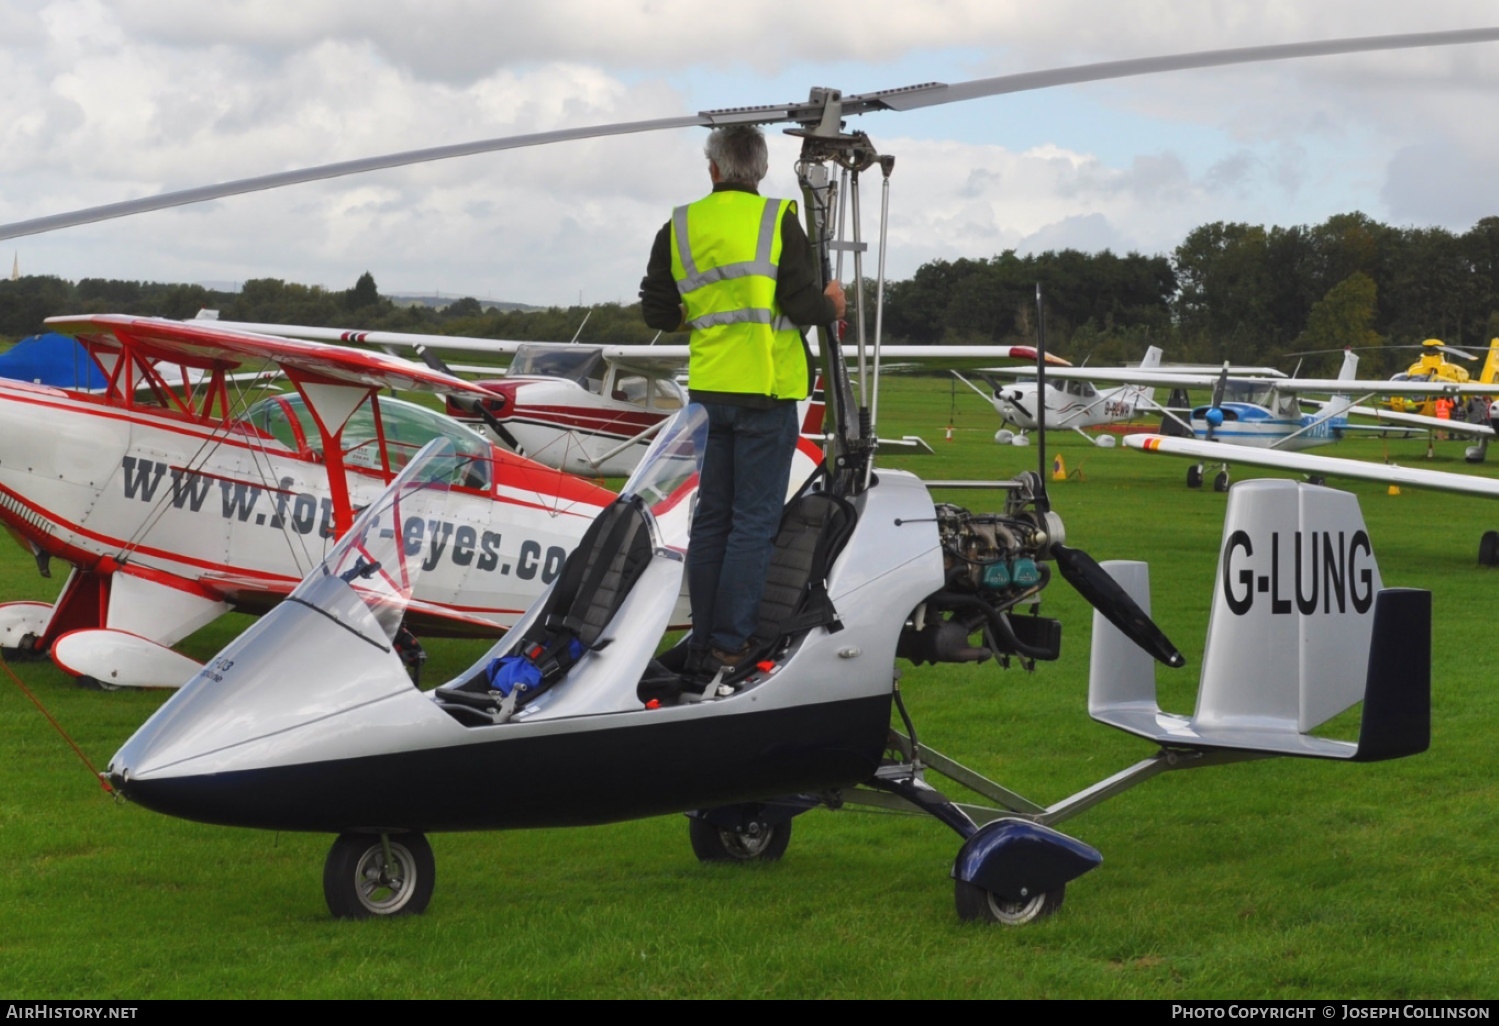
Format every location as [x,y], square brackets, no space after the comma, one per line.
[1418,420]
[1332,466]
[661,359]
[1319,466]
[1172,379]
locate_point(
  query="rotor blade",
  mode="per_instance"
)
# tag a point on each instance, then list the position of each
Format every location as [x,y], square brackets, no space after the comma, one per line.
[1104,594]
[914,97]
[280,179]
[806,112]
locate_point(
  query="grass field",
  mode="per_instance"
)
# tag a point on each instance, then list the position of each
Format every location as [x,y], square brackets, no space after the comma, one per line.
[1271,879]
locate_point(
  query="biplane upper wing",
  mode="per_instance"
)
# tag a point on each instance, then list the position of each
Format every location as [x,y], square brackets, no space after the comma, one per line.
[207,344]
[1323,466]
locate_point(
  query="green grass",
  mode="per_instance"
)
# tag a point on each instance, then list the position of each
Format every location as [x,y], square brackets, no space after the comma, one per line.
[1278,879]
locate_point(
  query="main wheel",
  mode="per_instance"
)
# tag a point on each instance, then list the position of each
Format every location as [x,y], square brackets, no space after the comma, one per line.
[1488,549]
[358,882]
[764,842]
[978,905]
[1194,476]
[1220,481]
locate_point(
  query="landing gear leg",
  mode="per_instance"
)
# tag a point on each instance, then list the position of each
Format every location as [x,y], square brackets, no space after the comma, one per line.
[385,875]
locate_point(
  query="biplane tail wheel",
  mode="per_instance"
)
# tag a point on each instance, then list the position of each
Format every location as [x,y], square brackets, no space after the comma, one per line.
[976,905]
[1194,476]
[1220,481]
[1488,549]
[760,842]
[359,880]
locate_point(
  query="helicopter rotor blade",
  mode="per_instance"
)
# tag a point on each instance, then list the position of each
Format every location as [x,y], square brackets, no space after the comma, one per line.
[805,112]
[1104,594]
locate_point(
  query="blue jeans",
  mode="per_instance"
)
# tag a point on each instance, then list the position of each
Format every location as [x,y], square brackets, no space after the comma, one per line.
[739,501]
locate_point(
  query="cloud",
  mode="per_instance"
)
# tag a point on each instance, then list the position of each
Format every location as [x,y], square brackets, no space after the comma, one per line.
[109,101]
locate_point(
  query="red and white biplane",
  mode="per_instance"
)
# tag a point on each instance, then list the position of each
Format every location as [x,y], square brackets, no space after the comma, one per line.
[173,503]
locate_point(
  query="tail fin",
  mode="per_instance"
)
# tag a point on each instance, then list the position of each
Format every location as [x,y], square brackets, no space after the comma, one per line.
[1152,359]
[1340,403]
[1490,372]
[1300,631]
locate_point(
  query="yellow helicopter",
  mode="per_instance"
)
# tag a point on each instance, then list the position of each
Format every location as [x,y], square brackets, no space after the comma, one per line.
[1433,365]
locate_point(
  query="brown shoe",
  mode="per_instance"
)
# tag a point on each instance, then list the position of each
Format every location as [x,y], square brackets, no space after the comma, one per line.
[730,660]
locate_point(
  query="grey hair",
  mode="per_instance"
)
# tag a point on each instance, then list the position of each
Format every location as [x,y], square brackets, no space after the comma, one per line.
[739,153]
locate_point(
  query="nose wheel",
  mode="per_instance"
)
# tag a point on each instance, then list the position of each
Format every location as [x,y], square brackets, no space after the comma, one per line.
[976,905]
[378,875]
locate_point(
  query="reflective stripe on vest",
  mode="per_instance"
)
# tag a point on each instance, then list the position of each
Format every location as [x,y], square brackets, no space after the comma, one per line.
[740,341]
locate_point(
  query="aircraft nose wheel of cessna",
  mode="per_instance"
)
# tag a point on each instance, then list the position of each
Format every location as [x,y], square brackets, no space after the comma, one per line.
[757,842]
[378,875]
[978,905]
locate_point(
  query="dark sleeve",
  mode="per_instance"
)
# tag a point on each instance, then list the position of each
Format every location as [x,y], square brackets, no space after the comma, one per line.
[660,303]
[798,280]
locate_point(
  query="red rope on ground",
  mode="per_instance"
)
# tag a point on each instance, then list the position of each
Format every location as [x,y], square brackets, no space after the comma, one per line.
[103,781]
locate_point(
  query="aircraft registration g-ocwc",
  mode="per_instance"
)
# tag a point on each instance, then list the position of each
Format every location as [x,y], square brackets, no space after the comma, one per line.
[309,722]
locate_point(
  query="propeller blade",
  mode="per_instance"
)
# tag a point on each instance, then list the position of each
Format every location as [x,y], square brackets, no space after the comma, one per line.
[804,112]
[1104,594]
[471,404]
[1219,387]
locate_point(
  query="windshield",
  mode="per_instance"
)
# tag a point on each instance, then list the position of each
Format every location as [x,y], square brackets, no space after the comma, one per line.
[581,364]
[405,427]
[666,479]
[366,582]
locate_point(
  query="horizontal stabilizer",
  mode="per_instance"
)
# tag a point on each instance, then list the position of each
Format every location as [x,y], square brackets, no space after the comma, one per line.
[1300,631]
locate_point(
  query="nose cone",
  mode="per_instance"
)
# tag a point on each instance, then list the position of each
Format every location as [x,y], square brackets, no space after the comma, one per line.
[287,692]
[1012,408]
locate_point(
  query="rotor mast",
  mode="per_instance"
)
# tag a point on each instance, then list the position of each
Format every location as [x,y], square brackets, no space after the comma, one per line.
[851,441]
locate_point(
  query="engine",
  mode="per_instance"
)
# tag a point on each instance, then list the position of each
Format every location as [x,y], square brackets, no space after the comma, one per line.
[993,563]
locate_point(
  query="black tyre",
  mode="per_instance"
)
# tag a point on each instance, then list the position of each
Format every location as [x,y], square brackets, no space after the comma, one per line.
[1194,476]
[1319,481]
[1488,549]
[976,905]
[1220,481]
[358,883]
[761,842]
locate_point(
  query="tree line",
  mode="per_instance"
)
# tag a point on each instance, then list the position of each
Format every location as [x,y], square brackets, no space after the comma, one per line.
[1232,291]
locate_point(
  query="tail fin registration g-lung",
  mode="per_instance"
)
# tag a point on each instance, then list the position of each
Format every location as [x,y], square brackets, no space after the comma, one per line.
[1301,630]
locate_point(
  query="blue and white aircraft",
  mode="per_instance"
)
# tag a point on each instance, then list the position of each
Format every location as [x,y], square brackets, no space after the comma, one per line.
[1264,412]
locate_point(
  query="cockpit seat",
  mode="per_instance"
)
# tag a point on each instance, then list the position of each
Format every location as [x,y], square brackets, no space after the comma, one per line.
[814,528]
[595,581]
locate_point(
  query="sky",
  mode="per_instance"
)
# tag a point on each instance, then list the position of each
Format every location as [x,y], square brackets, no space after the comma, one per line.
[111,101]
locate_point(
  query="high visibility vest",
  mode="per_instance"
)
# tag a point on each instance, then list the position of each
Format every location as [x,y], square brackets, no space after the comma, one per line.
[725,251]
